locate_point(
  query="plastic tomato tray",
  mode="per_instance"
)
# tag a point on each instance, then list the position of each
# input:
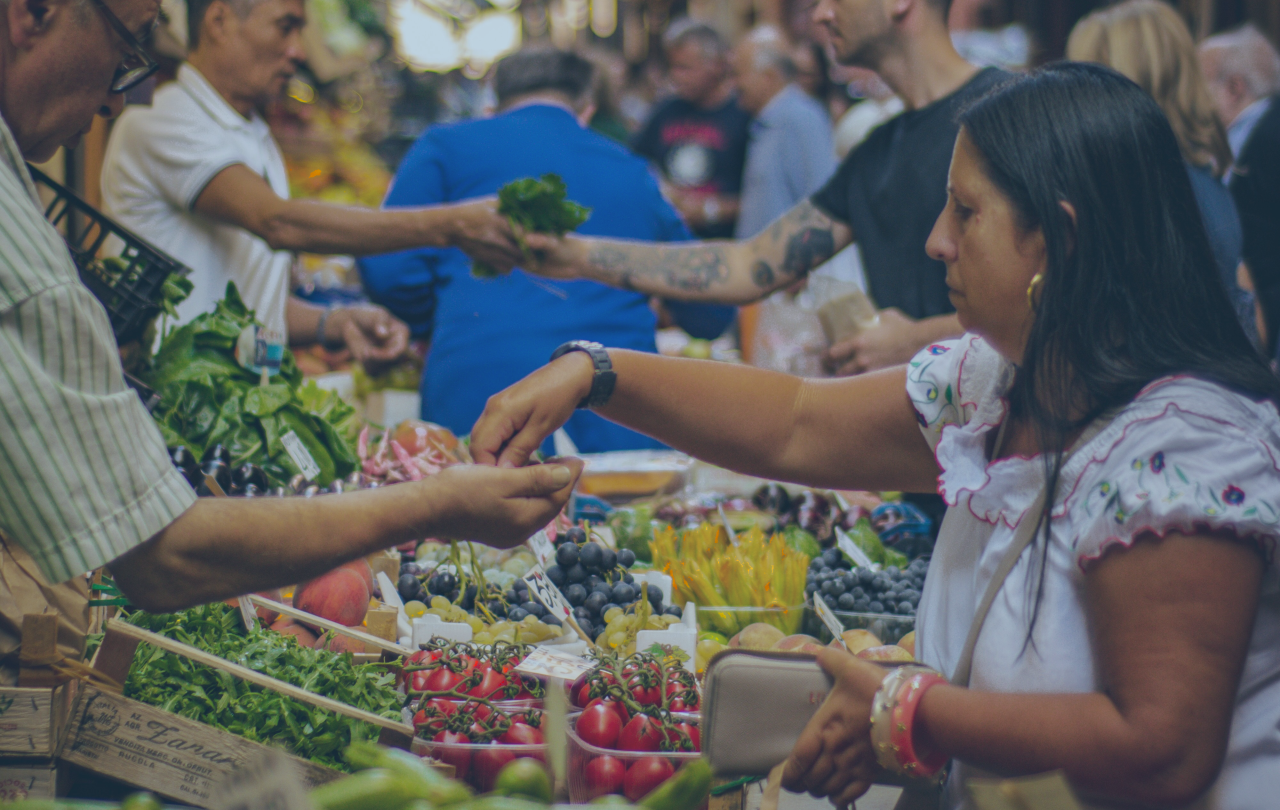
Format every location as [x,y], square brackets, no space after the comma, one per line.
[478,764]
[581,753]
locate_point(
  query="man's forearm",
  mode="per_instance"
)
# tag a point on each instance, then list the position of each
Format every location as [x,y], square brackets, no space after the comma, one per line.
[226,547]
[317,227]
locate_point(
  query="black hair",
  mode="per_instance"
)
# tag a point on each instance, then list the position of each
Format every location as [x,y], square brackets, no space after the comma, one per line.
[1130,292]
[195,18]
[535,70]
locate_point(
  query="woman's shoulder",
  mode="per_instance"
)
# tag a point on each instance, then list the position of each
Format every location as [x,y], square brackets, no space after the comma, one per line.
[958,382]
[1186,455]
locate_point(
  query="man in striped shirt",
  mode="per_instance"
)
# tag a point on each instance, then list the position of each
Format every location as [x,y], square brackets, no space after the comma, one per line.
[85,479]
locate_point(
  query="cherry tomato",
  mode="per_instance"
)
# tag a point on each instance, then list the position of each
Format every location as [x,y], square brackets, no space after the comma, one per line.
[623,714]
[580,691]
[644,695]
[604,775]
[599,725]
[441,680]
[486,764]
[433,714]
[644,775]
[459,758]
[641,733]
[674,737]
[478,710]
[521,734]
[493,681]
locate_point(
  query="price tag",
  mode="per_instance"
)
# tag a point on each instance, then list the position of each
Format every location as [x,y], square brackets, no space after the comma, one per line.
[829,619]
[542,548]
[845,543]
[265,782]
[260,350]
[545,591]
[248,613]
[546,663]
[301,455]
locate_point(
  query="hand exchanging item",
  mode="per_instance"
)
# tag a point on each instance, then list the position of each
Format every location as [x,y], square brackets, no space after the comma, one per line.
[374,336]
[517,420]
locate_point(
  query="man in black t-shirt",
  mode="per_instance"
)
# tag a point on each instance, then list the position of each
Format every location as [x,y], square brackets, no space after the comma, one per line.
[698,139]
[885,196]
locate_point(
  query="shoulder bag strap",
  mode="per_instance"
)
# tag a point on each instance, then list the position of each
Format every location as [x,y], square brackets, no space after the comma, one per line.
[1022,537]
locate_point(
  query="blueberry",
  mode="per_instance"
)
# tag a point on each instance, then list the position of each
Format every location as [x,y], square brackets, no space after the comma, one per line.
[815,564]
[837,587]
[810,587]
[576,594]
[831,557]
[876,607]
[674,610]
[858,593]
[594,602]
[906,608]
[826,588]
[567,555]
[610,560]
[866,576]
[846,601]
[624,594]
[863,605]
[591,556]
[516,614]
[557,576]
[576,574]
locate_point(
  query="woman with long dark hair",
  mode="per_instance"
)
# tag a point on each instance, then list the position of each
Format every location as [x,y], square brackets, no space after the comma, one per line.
[1102,597]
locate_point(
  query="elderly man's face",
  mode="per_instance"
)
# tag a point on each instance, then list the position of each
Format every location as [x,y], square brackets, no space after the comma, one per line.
[265,48]
[756,86]
[66,55]
[695,75]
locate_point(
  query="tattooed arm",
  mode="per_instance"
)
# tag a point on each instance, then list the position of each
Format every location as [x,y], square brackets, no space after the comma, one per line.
[726,272]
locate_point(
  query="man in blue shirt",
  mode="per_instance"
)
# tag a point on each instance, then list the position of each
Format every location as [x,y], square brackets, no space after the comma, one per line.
[487,334]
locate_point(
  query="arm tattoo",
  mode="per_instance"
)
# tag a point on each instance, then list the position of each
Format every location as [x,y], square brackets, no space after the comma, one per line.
[762,274]
[806,250]
[640,267]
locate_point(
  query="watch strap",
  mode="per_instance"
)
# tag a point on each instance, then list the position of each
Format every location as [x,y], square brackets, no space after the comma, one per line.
[603,379]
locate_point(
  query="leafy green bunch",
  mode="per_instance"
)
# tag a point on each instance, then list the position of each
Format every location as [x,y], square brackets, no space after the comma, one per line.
[207,695]
[208,398]
[538,206]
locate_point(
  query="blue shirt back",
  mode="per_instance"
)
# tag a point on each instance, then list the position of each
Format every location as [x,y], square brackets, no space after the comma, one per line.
[488,334]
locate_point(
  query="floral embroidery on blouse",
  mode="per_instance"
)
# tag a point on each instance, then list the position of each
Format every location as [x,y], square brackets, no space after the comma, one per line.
[934,407]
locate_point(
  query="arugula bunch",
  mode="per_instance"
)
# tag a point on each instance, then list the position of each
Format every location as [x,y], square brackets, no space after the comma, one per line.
[538,206]
[208,398]
[216,698]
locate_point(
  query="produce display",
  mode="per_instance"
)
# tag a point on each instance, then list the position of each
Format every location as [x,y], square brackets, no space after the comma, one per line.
[538,206]
[184,687]
[410,452]
[207,399]
[891,590]
[637,726]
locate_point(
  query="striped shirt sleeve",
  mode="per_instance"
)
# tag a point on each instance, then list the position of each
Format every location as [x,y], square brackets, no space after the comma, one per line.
[84,475]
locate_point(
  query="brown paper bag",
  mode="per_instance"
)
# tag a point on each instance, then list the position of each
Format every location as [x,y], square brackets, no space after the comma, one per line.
[23,590]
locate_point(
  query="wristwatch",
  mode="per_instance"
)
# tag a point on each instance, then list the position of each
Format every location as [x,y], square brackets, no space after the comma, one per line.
[603,380]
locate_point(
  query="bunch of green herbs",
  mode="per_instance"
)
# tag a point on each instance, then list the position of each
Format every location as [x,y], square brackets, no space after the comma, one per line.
[208,398]
[538,206]
[216,698]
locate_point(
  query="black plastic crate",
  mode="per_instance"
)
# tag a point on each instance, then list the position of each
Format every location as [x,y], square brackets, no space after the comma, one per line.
[132,296]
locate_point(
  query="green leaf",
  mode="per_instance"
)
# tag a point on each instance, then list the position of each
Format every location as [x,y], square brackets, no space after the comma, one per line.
[265,400]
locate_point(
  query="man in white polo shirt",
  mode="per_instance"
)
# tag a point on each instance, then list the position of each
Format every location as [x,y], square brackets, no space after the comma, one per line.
[199,175]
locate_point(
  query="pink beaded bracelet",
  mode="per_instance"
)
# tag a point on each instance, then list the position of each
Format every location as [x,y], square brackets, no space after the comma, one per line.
[902,728]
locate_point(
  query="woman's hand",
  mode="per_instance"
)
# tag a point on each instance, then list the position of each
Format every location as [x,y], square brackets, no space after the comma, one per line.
[833,756]
[516,421]
[500,507]
[375,337]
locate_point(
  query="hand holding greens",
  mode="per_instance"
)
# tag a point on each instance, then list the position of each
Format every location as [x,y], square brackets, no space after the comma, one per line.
[537,206]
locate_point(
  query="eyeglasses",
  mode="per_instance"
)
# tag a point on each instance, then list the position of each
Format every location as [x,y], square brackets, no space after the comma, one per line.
[139,65]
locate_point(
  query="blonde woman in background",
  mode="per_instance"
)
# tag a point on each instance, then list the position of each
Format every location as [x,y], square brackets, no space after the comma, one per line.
[1148,41]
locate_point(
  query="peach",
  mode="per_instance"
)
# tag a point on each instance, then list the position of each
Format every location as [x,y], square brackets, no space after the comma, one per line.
[341,644]
[361,566]
[908,643]
[339,596]
[886,652]
[758,636]
[795,642]
[289,627]
[859,640]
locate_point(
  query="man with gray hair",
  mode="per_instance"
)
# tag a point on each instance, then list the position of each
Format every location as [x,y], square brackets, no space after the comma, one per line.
[698,138]
[1243,70]
[790,153]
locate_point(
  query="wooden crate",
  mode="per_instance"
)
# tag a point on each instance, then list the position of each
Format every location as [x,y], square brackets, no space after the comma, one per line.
[27,779]
[32,721]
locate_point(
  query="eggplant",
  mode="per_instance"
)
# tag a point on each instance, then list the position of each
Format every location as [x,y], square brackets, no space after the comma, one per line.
[251,491]
[772,498]
[247,475]
[220,473]
[217,452]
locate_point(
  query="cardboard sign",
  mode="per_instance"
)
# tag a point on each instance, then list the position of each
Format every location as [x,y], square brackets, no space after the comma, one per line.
[547,663]
[829,619]
[301,455]
[269,782]
[542,548]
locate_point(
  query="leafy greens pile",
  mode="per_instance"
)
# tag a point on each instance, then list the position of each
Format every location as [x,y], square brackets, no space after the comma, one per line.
[216,698]
[537,205]
[208,398]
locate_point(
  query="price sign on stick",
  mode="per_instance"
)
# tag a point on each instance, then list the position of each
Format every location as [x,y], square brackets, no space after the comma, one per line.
[542,548]
[829,619]
[546,663]
[248,613]
[545,591]
[845,543]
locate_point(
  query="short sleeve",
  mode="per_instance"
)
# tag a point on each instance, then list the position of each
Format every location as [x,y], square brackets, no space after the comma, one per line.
[1190,461]
[956,383]
[172,160]
[833,198]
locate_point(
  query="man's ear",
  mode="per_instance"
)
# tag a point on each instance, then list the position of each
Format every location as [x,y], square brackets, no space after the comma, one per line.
[27,20]
[217,16]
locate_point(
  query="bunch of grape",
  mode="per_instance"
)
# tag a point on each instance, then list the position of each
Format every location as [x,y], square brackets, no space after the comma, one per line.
[891,591]
[594,579]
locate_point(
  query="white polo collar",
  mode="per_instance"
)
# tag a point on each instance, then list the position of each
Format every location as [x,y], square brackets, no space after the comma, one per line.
[211,101]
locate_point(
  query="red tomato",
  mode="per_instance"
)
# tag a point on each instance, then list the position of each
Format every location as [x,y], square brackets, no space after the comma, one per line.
[576,693]
[418,680]
[641,733]
[486,764]
[673,736]
[521,734]
[460,759]
[604,775]
[493,681]
[599,725]
[479,710]
[441,680]
[623,714]
[433,714]
[645,775]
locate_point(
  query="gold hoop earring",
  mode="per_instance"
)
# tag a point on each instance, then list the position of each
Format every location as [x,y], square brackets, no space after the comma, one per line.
[1031,289]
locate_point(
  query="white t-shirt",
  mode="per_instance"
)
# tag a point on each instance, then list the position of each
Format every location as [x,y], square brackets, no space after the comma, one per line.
[1185,455]
[158,161]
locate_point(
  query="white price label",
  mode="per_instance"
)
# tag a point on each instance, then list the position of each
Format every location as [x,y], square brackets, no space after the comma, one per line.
[542,548]
[301,455]
[266,782]
[545,591]
[545,663]
[829,619]
[248,613]
[846,544]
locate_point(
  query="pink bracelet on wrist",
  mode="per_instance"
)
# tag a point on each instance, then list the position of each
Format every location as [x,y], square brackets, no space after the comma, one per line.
[902,726]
